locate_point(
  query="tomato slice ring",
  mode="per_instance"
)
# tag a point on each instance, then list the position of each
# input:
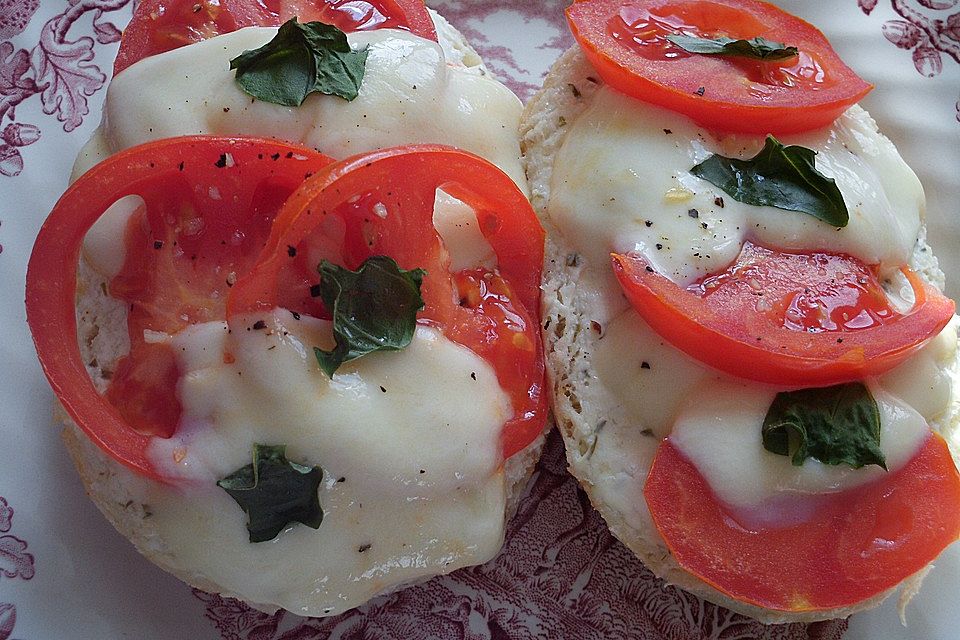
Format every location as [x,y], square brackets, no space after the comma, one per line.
[754,320]
[625,41]
[857,544]
[334,216]
[165,174]
[163,25]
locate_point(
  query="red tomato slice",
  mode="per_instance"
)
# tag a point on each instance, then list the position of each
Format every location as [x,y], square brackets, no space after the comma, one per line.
[788,319]
[494,313]
[163,25]
[209,203]
[625,41]
[856,544]
[361,15]
[143,387]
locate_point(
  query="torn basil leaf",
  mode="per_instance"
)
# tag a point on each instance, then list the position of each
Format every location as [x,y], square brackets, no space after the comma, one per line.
[835,425]
[274,492]
[374,308]
[781,177]
[300,60]
[756,48]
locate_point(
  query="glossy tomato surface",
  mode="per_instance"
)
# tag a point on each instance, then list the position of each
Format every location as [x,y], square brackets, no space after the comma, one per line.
[163,25]
[208,238]
[626,42]
[854,544]
[382,204]
[208,203]
[787,319]
[360,15]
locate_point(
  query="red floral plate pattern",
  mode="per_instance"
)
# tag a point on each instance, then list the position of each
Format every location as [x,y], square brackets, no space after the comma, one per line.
[561,574]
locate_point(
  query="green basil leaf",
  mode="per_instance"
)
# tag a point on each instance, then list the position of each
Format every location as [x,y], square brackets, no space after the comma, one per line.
[374,308]
[300,60]
[274,492]
[781,177]
[757,48]
[835,425]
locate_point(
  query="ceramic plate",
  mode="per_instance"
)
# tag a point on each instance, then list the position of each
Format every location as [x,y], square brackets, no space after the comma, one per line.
[64,573]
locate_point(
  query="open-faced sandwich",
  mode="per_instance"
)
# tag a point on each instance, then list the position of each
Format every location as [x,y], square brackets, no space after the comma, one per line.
[752,362]
[291,376]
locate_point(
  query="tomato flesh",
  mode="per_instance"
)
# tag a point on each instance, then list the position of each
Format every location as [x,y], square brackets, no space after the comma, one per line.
[626,42]
[855,545]
[361,15]
[143,388]
[788,319]
[492,312]
[163,25]
[208,205]
[491,322]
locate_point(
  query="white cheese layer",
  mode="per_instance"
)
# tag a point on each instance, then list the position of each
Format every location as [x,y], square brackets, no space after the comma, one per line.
[409,95]
[718,430]
[409,444]
[104,246]
[654,391]
[622,183]
[456,223]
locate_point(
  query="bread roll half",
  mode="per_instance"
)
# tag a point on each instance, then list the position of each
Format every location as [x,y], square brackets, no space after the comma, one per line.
[608,448]
[126,498]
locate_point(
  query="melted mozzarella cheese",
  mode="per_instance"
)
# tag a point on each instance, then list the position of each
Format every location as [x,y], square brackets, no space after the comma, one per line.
[719,431]
[409,95]
[104,246]
[456,223]
[622,183]
[926,381]
[715,421]
[409,444]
